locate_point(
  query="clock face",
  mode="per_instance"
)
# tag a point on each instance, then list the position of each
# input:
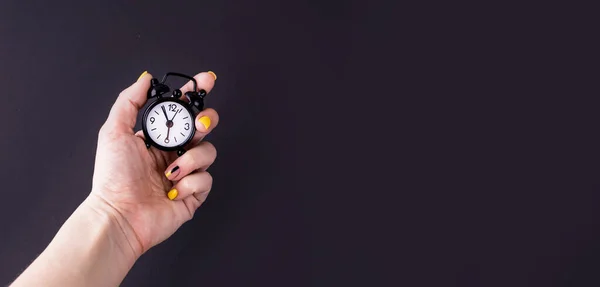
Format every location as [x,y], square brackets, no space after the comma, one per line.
[169,124]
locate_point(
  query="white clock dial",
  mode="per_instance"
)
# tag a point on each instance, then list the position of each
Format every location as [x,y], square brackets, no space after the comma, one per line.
[169,124]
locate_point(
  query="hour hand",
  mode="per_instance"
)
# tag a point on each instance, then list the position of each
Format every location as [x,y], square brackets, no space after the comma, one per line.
[165,111]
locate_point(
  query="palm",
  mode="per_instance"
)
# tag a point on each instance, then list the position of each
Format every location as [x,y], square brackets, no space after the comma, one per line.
[130,177]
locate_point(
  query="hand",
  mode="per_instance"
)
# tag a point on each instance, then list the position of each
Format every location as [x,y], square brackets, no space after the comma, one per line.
[151,193]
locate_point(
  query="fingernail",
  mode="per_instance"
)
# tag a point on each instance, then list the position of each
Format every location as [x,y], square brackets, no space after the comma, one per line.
[172,194]
[172,171]
[142,75]
[213,74]
[205,121]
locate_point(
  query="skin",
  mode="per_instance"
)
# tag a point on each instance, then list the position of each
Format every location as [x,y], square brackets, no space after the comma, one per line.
[127,211]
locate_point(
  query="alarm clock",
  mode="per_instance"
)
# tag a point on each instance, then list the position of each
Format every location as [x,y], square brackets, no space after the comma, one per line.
[168,122]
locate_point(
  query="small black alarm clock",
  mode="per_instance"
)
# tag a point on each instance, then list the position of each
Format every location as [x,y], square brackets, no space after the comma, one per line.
[168,122]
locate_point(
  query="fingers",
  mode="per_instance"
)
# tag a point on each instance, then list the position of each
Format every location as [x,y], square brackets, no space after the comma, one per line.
[200,157]
[206,121]
[197,184]
[124,111]
[193,202]
[205,81]
[208,118]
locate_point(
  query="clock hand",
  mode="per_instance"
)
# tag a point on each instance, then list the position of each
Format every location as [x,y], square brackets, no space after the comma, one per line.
[175,114]
[165,111]
[168,131]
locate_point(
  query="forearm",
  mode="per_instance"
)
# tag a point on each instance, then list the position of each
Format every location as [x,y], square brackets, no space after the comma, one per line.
[91,249]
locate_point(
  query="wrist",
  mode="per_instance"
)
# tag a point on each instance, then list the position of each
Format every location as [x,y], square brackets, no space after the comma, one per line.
[95,247]
[118,229]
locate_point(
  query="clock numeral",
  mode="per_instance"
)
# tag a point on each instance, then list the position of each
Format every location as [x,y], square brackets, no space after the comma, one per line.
[187,126]
[153,129]
[158,136]
[175,139]
[152,120]
[157,113]
[185,118]
[172,107]
[182,134]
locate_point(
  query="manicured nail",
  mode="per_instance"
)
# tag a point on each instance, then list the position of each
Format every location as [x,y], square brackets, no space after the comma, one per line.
[172,171]
[213,74]
[172,194]
[142,75]
[205,121]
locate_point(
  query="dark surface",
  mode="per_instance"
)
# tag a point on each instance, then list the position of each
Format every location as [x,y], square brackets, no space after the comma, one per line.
[349,148]
[62,66]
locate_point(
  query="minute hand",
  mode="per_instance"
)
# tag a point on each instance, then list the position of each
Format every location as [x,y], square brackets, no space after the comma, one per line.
[175,114]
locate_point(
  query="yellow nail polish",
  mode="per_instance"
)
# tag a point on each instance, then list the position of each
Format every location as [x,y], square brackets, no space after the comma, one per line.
[168,174]
[142,75]
[205,121]
[213,74]
[172,194]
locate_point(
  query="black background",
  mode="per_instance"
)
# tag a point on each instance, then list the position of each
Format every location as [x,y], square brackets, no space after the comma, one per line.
[62,66]
[360,143]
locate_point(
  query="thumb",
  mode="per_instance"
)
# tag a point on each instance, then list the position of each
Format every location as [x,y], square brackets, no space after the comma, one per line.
[125,109]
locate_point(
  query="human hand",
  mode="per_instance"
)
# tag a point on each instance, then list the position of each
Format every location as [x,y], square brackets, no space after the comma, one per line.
[148,192]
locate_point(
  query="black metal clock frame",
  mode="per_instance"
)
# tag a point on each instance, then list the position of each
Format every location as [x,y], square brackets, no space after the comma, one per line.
[160,91]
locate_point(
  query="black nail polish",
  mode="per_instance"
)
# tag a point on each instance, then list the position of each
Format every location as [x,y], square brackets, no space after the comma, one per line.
[168,174]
